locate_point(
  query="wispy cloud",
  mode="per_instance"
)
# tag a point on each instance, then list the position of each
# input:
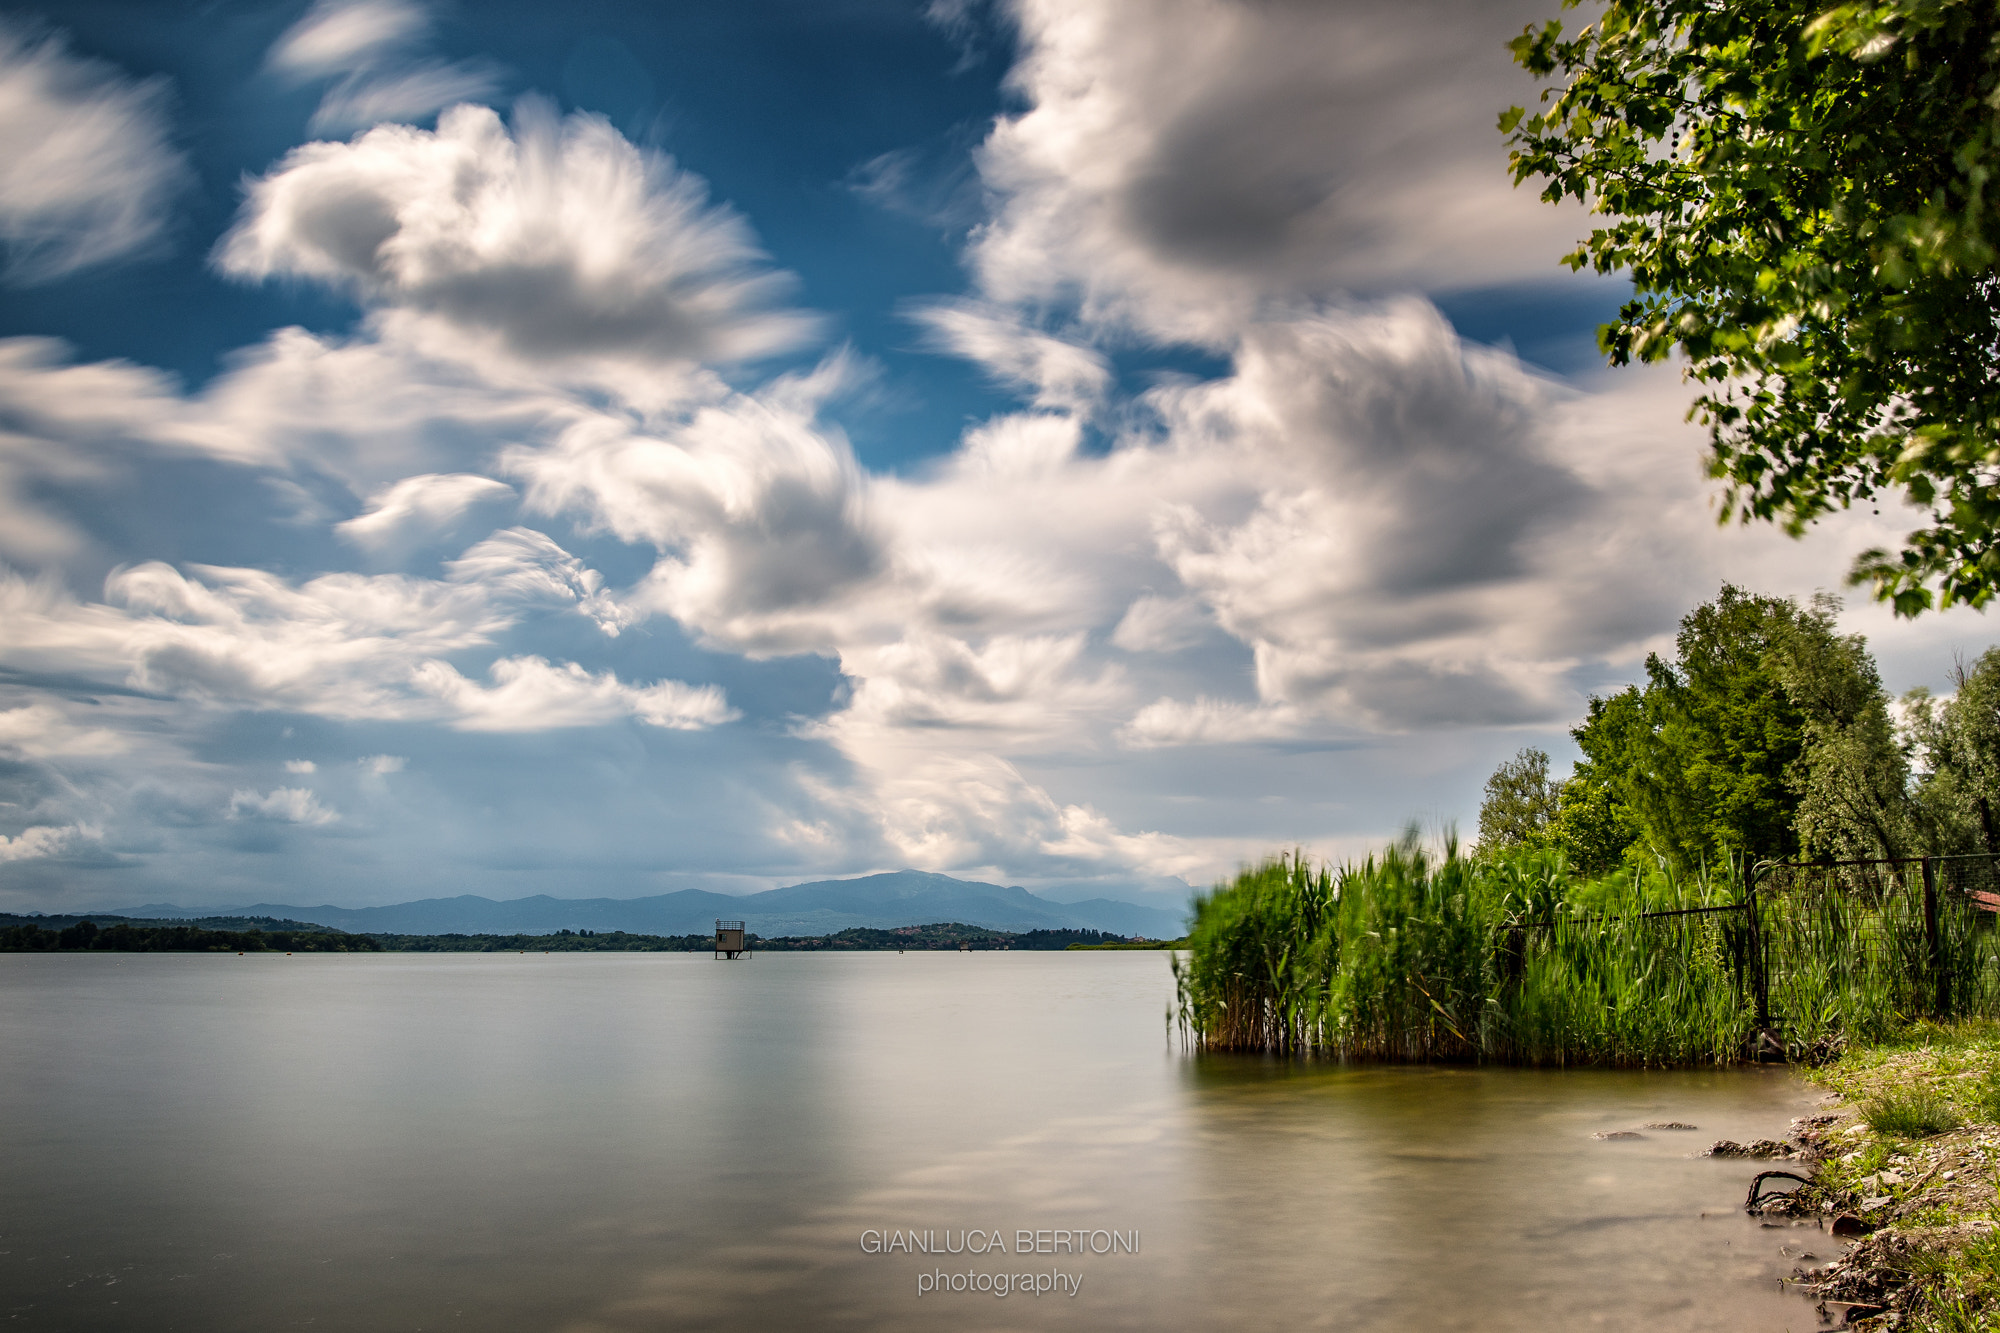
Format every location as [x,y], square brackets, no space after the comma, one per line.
[88,172]
[556,241]
[285,805]
[421,508]
[340,36]
[367,46]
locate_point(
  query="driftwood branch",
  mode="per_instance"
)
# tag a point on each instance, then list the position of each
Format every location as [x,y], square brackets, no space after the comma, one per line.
[1758,1192]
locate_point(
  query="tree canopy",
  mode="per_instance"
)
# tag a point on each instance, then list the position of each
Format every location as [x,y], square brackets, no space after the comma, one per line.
[1957,745]
[1803,197]
[1520,802]
[1700,760]
[1768,736]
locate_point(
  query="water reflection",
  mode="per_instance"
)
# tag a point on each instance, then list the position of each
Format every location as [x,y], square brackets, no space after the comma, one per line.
[625,1142]
[1478,1198]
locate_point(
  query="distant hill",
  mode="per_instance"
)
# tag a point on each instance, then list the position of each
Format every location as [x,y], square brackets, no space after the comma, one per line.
[897,898]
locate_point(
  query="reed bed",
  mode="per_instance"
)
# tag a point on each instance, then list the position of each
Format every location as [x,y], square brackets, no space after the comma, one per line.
[1414,957]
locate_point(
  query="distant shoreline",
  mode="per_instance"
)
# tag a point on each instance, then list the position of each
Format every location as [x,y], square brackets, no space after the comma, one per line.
[104,933]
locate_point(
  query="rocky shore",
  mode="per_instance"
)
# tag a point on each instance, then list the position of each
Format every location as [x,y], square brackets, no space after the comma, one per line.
[1901,1172]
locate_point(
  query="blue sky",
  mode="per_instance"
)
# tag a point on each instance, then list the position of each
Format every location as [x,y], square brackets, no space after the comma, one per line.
[609,448]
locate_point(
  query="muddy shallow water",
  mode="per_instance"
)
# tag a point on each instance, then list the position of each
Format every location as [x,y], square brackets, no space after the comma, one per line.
[650,1141]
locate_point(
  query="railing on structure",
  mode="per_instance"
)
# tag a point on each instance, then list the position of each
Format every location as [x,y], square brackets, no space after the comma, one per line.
[731,941]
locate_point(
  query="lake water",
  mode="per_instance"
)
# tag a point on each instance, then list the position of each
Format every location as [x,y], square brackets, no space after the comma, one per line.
[619,1142]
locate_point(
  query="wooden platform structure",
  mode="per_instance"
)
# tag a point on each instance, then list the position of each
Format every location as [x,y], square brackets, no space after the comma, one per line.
[730,941]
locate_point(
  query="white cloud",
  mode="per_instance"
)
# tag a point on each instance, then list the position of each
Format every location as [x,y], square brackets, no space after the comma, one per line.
[417,509]
[762,513]
[301,766]
[559,242]
[1013,688]
[967,810]
[87,171]
[68,426]
[343,645]
[381,765]
[1162,625]
[41,841]
[1062,375]
[368,410]
[531,694]
[409,94]
[1208,721]
[525,567]
[284,805]
[1310,150]
[336,36]
[43,731]
[367,43]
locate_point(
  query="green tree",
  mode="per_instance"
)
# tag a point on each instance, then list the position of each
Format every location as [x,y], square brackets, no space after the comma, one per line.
[1803,199]
[1520,803]
[1702,757]
[1957,744]
[1852,776]
[1592,826]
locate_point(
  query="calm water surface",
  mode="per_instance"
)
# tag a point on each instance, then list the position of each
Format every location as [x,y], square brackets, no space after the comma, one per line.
[661,1141]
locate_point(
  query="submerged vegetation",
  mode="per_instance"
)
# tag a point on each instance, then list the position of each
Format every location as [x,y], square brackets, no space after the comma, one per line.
[1630,914]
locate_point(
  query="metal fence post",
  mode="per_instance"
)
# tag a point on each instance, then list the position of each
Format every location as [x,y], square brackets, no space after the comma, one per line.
[1758,982]
[1940,976]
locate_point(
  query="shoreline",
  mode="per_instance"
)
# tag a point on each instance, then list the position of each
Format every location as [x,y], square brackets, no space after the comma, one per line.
[1902,1168]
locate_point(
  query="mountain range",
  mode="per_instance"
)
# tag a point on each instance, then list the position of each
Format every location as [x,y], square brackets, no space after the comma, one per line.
[896,898]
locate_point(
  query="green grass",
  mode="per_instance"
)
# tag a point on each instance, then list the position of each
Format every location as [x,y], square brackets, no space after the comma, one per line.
[1910,1083]
[1962,1288]
[1912,1113]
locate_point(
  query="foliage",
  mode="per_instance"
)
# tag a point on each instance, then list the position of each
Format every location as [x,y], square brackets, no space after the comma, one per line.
[1852,774]
[1516,956]
[1767,736]
[1520,803]
[1524,808]
[1592,827]
[1702,758]
[1511,956]
[1958,744]
[1802,198]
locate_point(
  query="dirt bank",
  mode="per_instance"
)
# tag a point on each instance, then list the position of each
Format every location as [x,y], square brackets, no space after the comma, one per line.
[1903,1170]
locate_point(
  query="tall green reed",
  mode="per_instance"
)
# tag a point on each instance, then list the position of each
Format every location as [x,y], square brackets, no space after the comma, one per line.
[1414,956]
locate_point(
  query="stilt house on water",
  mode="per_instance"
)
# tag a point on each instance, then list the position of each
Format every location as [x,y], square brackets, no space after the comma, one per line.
[729,940]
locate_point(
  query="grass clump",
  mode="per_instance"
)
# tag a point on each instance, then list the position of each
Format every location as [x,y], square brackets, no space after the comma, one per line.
[1935,1252]
[1909,1113]
[1963,1288]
